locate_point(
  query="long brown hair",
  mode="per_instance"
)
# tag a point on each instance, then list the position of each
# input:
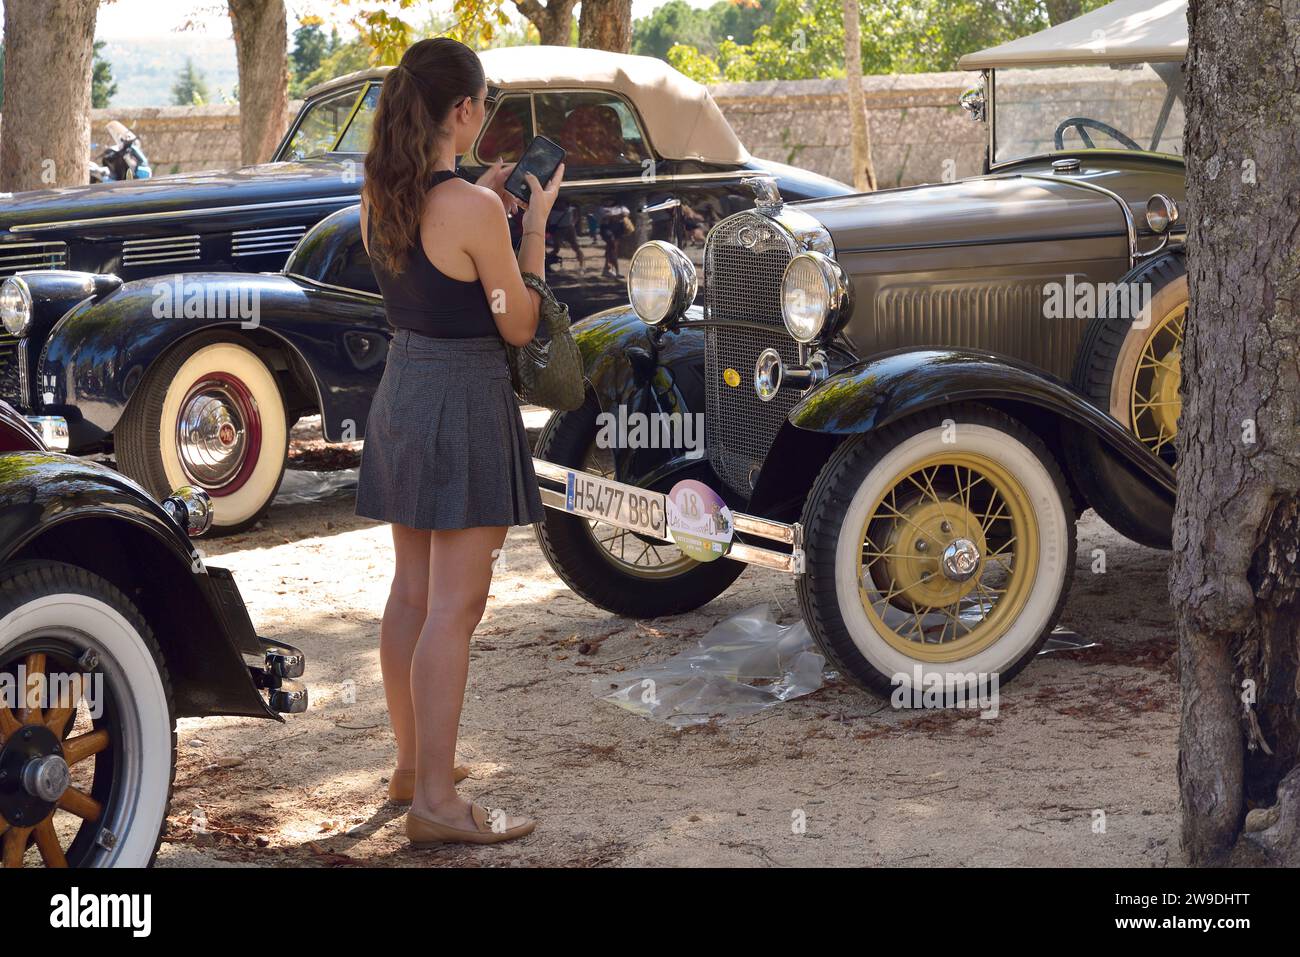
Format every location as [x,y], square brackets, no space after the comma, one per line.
[433,76]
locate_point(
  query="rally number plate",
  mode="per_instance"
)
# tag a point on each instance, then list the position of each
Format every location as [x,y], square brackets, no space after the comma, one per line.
[623,505]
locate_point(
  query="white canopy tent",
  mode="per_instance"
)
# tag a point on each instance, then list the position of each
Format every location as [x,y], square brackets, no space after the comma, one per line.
[1126,31]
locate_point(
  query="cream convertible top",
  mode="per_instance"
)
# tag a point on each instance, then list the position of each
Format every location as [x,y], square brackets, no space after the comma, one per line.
[681,118]
[1126,31]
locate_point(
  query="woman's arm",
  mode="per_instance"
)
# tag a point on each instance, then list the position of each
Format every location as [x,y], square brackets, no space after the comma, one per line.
[514,306]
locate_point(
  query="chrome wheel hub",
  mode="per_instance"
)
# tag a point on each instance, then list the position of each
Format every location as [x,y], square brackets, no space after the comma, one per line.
[212,437]
[961,560]
[46,778]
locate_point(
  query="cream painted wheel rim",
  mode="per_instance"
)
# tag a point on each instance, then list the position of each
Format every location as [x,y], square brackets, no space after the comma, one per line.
[219,396]
[1001,630]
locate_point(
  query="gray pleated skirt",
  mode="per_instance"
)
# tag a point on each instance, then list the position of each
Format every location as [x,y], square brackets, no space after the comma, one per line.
[445,444]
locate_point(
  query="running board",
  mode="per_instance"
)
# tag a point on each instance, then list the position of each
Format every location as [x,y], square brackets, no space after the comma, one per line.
[655,504]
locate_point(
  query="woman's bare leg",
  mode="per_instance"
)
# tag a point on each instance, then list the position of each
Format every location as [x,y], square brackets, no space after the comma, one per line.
[460,573]
[404,614]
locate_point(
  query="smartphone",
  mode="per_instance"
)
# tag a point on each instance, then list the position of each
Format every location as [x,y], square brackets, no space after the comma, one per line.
[541,159]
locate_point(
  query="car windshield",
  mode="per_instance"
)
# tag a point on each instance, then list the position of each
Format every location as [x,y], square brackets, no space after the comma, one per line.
[334,123]
[1133,106]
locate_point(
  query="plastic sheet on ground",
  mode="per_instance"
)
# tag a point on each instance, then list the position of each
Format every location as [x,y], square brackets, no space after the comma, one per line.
[1062,639]
[303,487]
[745,664]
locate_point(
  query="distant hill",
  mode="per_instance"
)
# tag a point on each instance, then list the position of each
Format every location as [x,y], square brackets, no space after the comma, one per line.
[144,69]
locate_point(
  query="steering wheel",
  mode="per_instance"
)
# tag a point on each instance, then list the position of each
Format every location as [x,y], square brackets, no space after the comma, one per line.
[1082,124]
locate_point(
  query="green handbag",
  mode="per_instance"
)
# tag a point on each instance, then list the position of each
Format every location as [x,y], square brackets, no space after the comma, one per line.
[548,374]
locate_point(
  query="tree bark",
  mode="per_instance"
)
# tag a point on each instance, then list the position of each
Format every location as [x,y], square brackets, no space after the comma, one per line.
[49,55]
[1235,579]
[864,170]
[261,39]
[606,25]
[554,20]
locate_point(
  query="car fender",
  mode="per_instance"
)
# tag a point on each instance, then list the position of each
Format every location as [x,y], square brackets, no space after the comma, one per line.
[61,508]
[632,368]
[334,344]
[874,393]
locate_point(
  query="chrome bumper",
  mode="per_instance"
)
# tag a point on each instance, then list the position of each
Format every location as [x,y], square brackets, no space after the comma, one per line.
[282,664]
[751,526]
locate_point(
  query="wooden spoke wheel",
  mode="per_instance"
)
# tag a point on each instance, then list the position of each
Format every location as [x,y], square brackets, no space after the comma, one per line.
[48,767]
[87,743]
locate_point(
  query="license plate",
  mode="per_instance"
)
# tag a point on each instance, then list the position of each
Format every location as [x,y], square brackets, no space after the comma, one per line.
[623,505]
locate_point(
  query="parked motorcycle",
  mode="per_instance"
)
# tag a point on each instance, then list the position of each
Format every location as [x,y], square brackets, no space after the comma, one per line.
[123,160]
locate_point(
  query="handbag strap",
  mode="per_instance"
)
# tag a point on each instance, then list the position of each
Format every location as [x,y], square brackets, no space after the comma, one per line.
[553,312]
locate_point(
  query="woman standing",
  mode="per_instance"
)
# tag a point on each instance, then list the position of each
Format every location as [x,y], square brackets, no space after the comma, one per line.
[446,459]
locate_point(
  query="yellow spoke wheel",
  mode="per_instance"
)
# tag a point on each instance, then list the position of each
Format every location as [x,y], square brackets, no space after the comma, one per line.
[1154,402]
[948,556]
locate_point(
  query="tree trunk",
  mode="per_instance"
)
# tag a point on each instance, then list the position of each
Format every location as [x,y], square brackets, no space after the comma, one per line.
[864,171]
[1059,11]
[261,39]
[606,25]
[49,52]
[554,20]
[1235,580]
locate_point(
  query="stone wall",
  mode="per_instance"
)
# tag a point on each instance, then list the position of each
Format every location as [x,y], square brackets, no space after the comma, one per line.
[916,125]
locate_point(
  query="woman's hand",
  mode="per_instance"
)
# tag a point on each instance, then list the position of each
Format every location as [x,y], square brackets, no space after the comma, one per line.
[495,179]
[542,199]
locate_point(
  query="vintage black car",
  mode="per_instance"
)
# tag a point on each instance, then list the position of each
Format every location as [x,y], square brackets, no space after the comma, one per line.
[195,377]
[111,628]
[883,379]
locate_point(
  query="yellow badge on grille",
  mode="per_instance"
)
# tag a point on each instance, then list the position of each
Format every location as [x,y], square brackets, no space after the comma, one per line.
[731,377]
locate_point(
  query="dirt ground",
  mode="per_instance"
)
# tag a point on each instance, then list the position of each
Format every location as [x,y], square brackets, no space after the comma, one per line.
[1078,732]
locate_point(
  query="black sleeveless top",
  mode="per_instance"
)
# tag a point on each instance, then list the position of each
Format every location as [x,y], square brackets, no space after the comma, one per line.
[424,300]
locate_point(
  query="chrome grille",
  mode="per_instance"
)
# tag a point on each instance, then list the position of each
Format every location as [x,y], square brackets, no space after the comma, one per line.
[744,260]
[165,249]
[20,257]
[264,242]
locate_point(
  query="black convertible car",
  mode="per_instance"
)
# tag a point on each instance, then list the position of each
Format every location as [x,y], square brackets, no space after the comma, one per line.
[156,345]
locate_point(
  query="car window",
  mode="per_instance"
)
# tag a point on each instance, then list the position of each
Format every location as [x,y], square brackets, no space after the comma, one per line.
[1108,107]
[321,124]
[508,133]
[357,137]
[597,130]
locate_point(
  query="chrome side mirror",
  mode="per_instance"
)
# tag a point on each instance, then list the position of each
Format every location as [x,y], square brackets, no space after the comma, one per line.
[974,102]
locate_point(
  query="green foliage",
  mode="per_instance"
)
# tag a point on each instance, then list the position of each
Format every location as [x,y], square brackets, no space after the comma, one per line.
[804,39]
[102,86]
[190,88]
[311,46]
[678,23]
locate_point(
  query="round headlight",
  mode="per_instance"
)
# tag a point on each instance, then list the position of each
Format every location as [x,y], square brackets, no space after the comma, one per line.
[815,296]
[661,282]
[15,305]
[1162,213]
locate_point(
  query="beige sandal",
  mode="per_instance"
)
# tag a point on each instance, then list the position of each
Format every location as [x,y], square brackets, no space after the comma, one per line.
[424,833]
[401,786]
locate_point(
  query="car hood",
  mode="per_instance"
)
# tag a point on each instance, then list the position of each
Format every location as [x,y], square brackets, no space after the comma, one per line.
[984,211]
[265,183]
